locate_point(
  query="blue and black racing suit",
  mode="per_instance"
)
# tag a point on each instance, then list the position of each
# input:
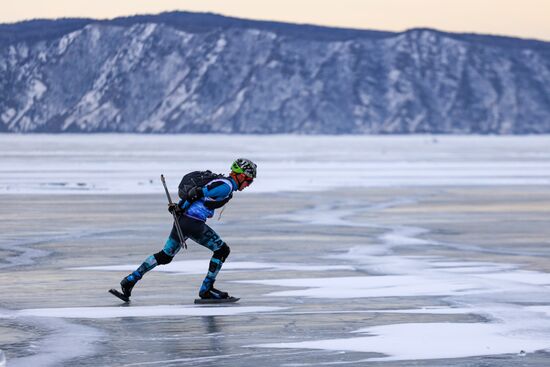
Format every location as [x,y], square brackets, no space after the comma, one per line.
[216,194]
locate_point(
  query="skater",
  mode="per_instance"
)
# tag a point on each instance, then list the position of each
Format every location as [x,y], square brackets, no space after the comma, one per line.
[192,212]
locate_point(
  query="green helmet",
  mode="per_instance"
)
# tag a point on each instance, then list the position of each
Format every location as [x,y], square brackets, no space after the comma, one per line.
[246,166]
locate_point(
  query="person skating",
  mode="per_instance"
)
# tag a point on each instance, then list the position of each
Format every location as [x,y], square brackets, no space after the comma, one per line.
[192,212]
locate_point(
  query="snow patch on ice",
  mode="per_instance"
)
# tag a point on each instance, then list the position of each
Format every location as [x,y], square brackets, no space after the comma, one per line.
[61,342]
[373,286]
[137,311]
[521,276]
[429,341]
[510,328]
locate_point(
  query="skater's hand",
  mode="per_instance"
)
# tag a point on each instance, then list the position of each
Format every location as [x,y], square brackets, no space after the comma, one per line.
[195,194]
[174,209]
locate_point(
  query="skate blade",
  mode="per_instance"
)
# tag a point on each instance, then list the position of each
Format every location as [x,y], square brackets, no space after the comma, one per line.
[214,301]
[117,294]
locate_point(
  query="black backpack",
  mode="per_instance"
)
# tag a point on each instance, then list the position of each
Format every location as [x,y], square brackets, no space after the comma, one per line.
[195,179]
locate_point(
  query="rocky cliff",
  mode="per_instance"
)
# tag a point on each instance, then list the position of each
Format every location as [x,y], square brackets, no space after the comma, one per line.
[185,72]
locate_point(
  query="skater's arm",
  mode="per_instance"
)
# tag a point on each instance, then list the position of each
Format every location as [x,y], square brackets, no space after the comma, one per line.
[217,190]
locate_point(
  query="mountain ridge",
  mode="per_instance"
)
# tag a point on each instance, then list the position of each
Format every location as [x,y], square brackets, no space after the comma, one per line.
[184,74]
[208,19]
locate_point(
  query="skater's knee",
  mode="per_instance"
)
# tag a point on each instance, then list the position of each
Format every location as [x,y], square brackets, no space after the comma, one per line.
[163,258]
[222,253]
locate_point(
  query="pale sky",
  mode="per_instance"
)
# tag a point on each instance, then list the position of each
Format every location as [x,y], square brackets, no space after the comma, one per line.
[518,18]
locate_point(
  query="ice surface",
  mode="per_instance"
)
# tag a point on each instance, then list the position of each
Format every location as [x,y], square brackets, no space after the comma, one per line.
[200,266]
[136,311]
[543,309]
[428,341]
[486,289]
[107,164]
[375,286]
[508,305]
[63,341]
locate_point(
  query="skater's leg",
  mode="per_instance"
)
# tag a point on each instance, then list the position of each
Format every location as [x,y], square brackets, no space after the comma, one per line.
[218,258]
[207,289]
[211,240]
[165,256]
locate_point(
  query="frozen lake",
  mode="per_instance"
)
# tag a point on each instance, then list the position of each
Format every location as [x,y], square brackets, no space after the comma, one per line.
[378,251]
[133,163]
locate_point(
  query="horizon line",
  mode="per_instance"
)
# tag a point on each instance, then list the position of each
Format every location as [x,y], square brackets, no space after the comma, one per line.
[314,25]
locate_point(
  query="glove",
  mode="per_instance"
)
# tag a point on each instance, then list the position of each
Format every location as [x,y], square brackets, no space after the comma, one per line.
[174,209]
[195,194]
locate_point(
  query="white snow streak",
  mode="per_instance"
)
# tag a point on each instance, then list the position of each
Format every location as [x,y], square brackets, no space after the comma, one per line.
[137,311]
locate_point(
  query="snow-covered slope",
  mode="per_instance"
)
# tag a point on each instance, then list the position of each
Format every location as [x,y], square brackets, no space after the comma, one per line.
[184,72]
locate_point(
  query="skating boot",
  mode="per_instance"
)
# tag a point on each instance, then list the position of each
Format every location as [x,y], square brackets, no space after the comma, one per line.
[208,294]
[126,285]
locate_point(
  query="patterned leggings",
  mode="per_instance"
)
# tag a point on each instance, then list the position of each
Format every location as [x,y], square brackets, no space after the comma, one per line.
[199,232]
